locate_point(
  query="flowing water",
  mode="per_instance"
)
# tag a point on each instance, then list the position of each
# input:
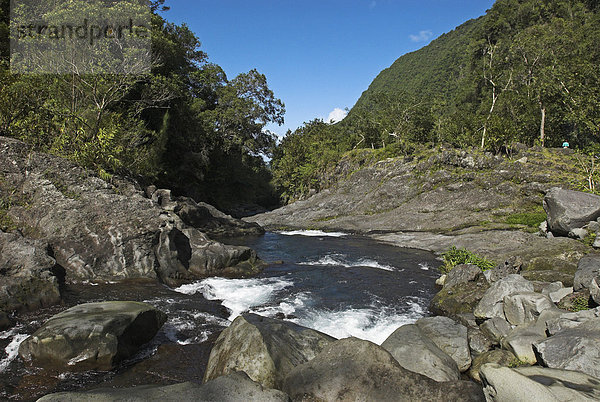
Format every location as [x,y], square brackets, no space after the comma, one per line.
[336,283]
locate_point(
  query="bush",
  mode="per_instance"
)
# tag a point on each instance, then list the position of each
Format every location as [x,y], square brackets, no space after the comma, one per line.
[454,257]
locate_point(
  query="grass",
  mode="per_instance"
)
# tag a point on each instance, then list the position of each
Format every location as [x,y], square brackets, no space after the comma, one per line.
[455,256]
[530,219]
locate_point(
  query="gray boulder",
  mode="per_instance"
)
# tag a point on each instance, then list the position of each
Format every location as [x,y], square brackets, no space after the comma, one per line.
[520,340]
[511,266]
[93,336]
[28,278]
[587,269]
[355,370]
[573,349]
[568,209]
[525,384]
[595,290]
[461,274]
[571,320]
[459,299]
[416,352]
[266,349]
[450,336]
[500,357]
[478,342]
[521,308]
[235,387]
[496,328]
[492,303]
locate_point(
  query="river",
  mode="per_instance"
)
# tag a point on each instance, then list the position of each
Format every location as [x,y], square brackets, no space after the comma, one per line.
[336,283]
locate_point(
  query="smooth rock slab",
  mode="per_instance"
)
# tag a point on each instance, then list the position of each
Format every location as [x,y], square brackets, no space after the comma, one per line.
[265,348]
[525,384]
[492,303]
[573,349]
[93,336]
[522,308]
[356,370]
[416,352]
[236,387]
[450,336]
[568,209]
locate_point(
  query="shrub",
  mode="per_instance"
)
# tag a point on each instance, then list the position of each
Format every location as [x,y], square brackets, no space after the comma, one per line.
[454,257]
[580,303]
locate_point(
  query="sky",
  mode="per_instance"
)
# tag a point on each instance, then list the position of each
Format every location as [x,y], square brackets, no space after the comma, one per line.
[318,55]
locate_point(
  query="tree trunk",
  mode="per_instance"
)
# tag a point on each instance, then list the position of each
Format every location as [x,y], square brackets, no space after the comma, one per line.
[543,124]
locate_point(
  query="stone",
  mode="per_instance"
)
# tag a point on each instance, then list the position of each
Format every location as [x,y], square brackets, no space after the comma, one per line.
[496,328]
[573,349]
[29,277]
[356,370]
[459,299]
[551,287]
[511,266]
[543,228]
[450,337]
[593,226]
[596,243]
[595,290]
[587,269]
[93,336]
[5,321]
[503,384]
[461,274]
[571,320]
[521,308]
[417,353]
[573,301]
[568,209]
[235,387]
[520,341]
[578,234]
[441,280]
[478,342]
[549,276]
[500,357]
[492,303]
[266,349]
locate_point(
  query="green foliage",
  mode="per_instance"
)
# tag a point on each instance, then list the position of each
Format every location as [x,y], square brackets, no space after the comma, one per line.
[516,362]
[454,257]
[531,219]
[580,303]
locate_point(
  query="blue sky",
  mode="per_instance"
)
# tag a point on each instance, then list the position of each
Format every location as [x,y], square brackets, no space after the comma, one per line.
[317,55]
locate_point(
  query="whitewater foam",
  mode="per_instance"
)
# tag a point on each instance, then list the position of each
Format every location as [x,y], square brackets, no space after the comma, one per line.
[12,350]
[312,233]
[342,261]
[237,295]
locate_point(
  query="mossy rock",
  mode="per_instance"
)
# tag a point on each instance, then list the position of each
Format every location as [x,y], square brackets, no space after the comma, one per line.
[461,298]
[549,276]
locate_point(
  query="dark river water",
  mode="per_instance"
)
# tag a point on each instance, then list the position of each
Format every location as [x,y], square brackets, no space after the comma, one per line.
[338,284]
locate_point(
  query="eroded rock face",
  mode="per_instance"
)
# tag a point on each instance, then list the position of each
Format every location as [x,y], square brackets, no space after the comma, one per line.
[28,278]
[450,337]
[502,384]
[236,387]
[419,354]
[93,336]
[266,349]
[355,370]
[568,210]
[492,302]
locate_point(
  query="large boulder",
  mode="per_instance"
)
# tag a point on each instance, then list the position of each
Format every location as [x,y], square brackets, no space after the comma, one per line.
[266,349]
[460,298]
[450,336]
[573,349]
[500,357]
[355,370]
[93,336]
[411,347]
[496,328]
[492,303]
[520,340]
[568,320]
[524,384]
[587,270]
[28,275]
[568,210]
[521,308]
[97,230]
[235,387]
[461,274]
[478,341]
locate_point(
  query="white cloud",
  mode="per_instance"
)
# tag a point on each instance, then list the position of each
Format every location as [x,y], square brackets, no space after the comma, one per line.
[336,115]
[423,36]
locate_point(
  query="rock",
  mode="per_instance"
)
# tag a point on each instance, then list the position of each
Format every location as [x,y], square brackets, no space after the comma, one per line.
[593,226]
[560,294]
[5,321]
[503,384]
[266,349]
[509,267]
[213,222]
[587,269]
[163,198]
[97,230]
[575,301]
[478,342]
[461,274]
[573,349]
[520,341]
[550,287]
[571,320]
[568,210]
[417,353]
[441,280]
[500,357]
[492,303]
[595,290]
[459,299]
[93,336]
[450,337]
[543,228]
[467,319]
[496,328]
[28,278]
[355,370]
[596,244]
[521,308]
[578,234]
[549,276]
[236,387]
